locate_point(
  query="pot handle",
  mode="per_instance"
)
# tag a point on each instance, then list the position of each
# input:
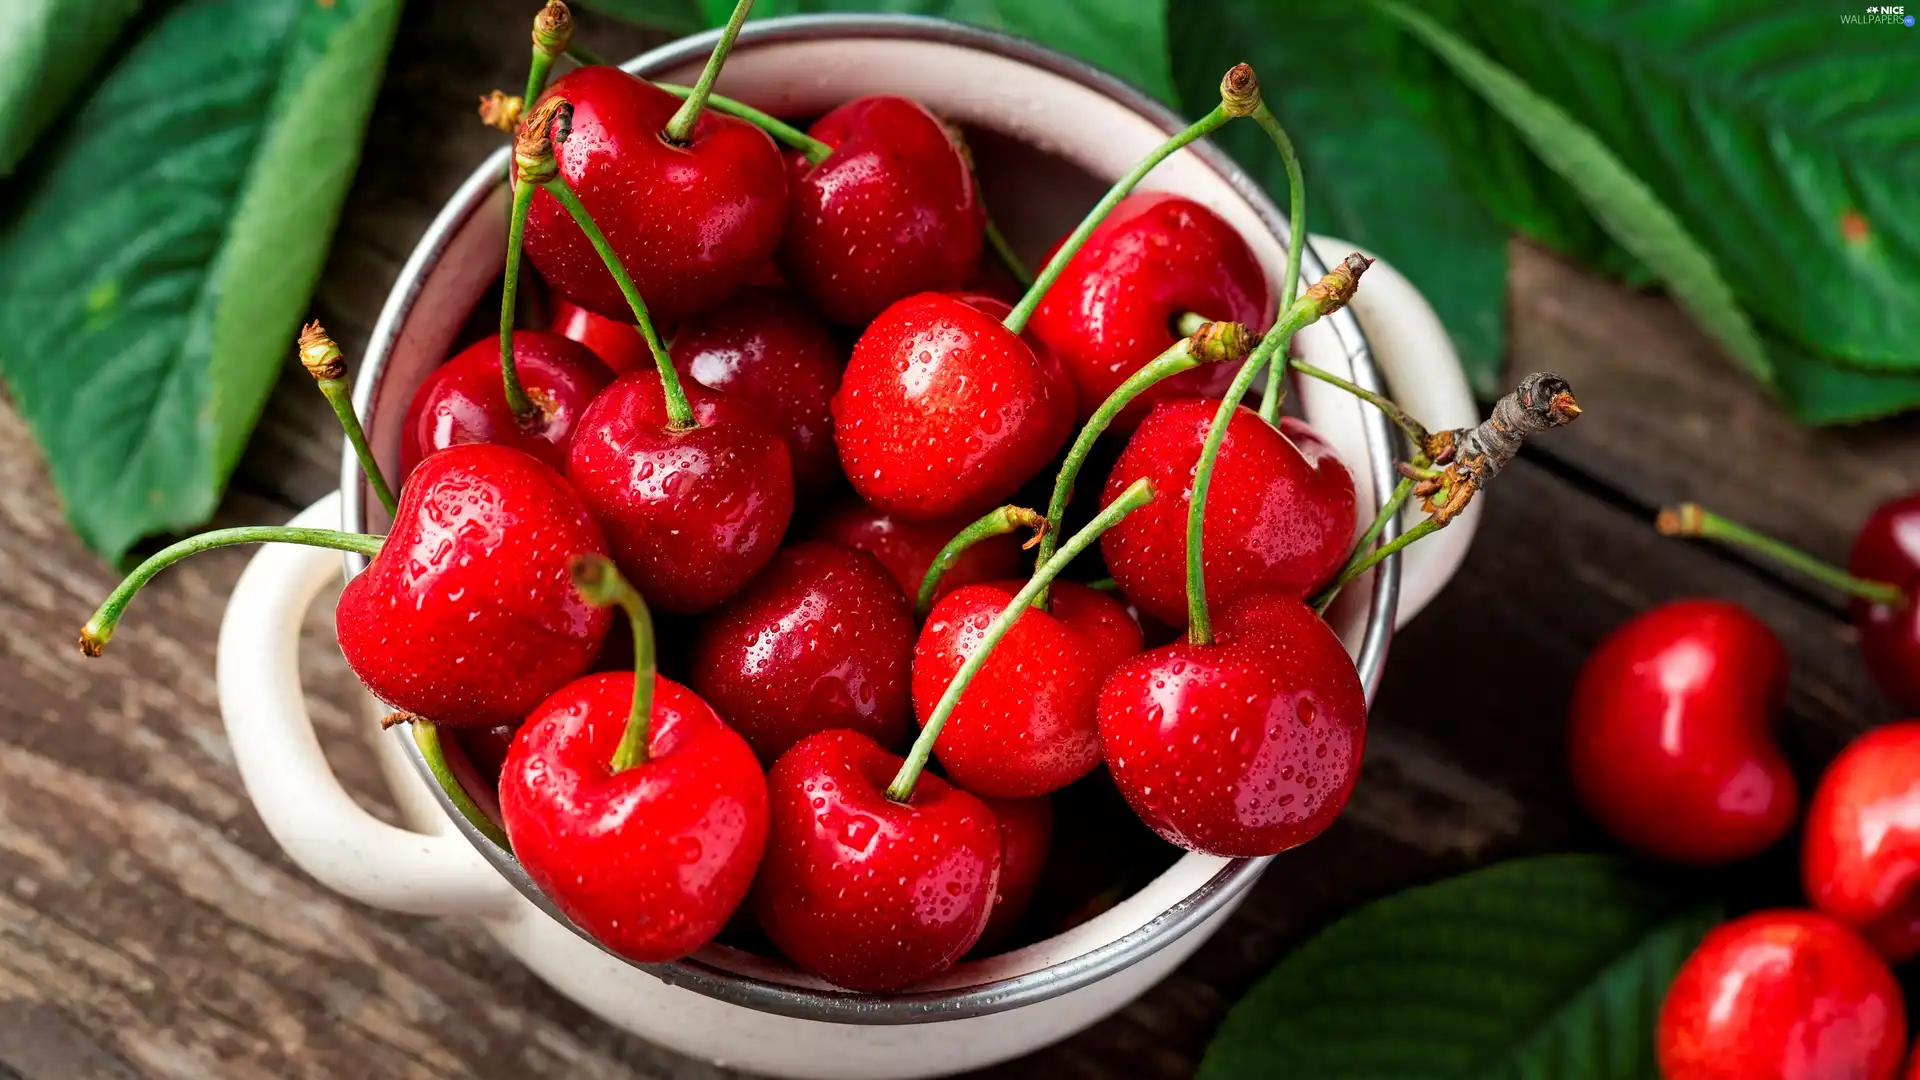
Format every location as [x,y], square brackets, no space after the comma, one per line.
[1422,370]
[310,815]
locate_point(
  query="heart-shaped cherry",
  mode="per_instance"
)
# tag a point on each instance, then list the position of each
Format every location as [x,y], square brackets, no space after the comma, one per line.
[692,513]
[1782,995]
[763,348]
[1280,516]
[1026,725]
[466,614]
[462,400]
[822,638]
[867,892]
[891,212]
[1156,257]
[616,342]
[907,547]
[1026,834]
[631,804]
[1670,734]
[691,210]
[1861,853]
[943,412]
[1245,747]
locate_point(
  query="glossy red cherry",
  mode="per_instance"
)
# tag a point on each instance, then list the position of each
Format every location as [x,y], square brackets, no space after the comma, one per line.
[763,348]
[1670,734]
[690,515]
[617,343]
[1245,747]
[1280,512]
[907,547]
[1861,853]
[468,616]
[1888,549]
[651,860]
[1026,834]
[891,212]
[690,222]
[943,412]
[1782,995]
[465,401]
[1026,724]
[868,893]
[1155,258]
[486,748]
[823,638]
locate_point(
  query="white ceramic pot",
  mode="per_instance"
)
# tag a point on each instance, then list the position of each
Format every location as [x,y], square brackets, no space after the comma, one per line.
[724,1005]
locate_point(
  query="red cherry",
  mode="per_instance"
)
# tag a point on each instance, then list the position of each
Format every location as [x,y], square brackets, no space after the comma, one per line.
[1782,995]
[486,748]
[1026,724]
[1026,833]
[1861,854]
[823,638]
[1280,512]
[616,342]
[907,547]
[468,616]
[891,212]
[1246,747]
[650,860]
[465,401]
[763,348]
[691,223]
[868,893]
[1670,734]
[1888,549]
[943,412]
[691,515]
[1155,258]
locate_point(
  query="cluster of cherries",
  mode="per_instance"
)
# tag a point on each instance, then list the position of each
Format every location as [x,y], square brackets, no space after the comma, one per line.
[1673,750]
[550,475]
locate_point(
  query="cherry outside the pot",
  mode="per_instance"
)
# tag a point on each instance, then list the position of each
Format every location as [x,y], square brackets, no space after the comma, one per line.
[1670,735]
[464,400]
[1861,851]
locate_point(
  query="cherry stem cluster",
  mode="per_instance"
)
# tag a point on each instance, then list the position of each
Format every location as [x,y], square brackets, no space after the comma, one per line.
[99,629]
[426,736]
[600,583]
[1358,561]
[1275,392]
[1694,521]
[679,129]
[999,521]
[810,148]
[1138,494]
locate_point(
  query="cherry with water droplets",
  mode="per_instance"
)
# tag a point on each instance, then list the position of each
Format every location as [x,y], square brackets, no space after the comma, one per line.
[822,638]
[1860,856]
[616,342]
[907,547]
[464,401]
[1026,836]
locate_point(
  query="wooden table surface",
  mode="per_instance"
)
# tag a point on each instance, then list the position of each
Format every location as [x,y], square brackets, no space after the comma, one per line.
[149,927]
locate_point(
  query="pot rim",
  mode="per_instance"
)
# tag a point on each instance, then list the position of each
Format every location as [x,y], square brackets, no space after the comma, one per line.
[837,1006]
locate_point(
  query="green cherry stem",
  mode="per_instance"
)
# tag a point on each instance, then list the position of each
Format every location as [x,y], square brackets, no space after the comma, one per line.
[811,148]
[1356,567]
[321,356]
[517,400]
[552,35]
[1010,259]
[1204,343]
[99,629]
[426,736]
[1138,494]
[1296,241]
[1388,511]
[1327,295]
[679,129]
[999,521]
[1239,96]
[599,583]
[1693,521]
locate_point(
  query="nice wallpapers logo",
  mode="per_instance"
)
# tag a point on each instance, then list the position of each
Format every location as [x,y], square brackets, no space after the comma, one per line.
[1874,16]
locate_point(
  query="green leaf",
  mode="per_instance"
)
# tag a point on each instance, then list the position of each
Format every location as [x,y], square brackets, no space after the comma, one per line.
[1821,393]
[1375,174]
[1787,139]
[1548,968]
[1618,199]
[47,49]
[152,279]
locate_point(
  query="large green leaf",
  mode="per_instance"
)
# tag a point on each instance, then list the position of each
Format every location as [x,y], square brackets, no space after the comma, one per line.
[152,277]
[1618,199]
[1375,174]
[1821,392]
[1786,139]
[47,49]
[1550,968]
